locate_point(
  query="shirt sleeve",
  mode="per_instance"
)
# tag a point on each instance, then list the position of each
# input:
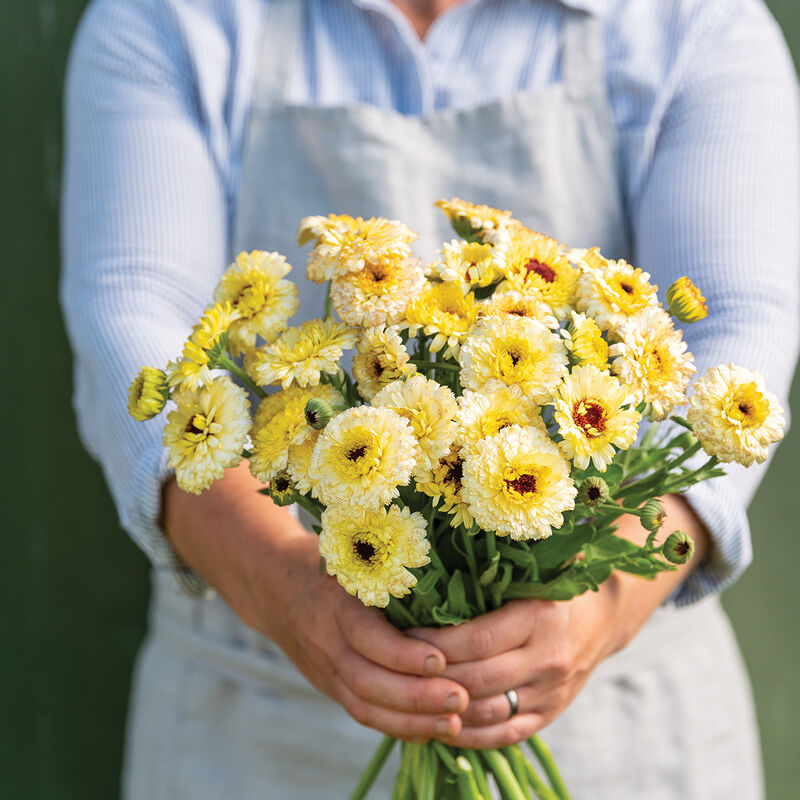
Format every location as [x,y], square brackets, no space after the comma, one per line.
[719,203]
[144,239]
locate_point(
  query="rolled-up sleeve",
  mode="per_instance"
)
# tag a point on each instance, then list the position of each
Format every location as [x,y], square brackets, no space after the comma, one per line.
[719,202]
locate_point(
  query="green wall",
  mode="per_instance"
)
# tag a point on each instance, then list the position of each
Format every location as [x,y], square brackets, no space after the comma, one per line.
[73,588]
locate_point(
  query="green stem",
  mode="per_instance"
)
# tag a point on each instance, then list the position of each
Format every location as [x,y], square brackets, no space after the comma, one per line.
[434,364]
[227,363]
[309,505]
[473,570]
[519,766]
[374,768]
[467,782]
[542,752]
[396,606]
[539,786]
[504,775]
[479,772]
[328,302]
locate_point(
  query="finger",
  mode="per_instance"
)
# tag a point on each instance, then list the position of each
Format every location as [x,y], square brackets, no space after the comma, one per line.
[514,730]
[369,633]
[399,692]
[486,636]
[397,723]
[492,676]
[493,710]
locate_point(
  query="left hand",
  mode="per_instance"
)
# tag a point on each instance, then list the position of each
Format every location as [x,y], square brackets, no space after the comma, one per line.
[546,651]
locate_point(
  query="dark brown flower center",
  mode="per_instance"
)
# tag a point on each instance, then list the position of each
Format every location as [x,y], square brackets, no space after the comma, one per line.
[626,287]
[364,550]
[544,271]
[525,484]
[354,453]
[590,417]
[454,474]
[594,492]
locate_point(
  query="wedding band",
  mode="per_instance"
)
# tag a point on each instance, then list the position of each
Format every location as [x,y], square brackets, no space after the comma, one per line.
[513,701]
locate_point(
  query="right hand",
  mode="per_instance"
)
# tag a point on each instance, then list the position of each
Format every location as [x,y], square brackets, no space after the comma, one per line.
[267,567]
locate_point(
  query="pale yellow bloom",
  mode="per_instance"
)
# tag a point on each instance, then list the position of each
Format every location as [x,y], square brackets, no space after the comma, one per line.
[206,433]
[362,456]
[518,484]
[518,304]
[516,351]
[299,463]
[585,341]
[444,312]
[429,407]
[262,300]
[148,394]
[473,221]
[369,551]
[467,264]
[685,302]
[443,481]
[301,354]
[381,359]
[734,416]
[591,418]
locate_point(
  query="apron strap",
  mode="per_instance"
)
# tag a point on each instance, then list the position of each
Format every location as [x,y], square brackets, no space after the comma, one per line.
[280,40]
[583,53]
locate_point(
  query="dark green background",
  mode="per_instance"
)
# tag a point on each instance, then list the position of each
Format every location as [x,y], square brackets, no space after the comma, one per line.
[73,588]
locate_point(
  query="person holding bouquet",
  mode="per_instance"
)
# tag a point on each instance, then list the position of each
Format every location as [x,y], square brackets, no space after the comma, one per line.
[664,135]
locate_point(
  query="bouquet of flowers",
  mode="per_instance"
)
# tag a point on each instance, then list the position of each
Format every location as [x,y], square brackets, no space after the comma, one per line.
[487,442]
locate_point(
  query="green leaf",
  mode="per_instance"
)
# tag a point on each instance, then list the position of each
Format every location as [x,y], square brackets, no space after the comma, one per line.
[499,588]
[444,617]
[610,547]
[489,574]
[457,595]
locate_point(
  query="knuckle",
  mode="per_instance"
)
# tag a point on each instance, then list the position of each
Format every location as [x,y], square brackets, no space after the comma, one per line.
[481,640]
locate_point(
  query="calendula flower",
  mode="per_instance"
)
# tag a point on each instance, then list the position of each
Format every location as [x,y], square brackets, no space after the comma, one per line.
[148,394]
[379,293]
[442,481]
[495,407]
[262,300]
[535,264]
[585,341]
[518,484]
[593,492]
[444,312]
[362,456]
[685,302]
[370,551]
[651,360]
[282,489]
[653,515]
[591,418]
[429,407]
[518,304]
[467,264]
[299,463]
[678,547]
[206,433]
[301,354]
[344,244]
[380,359]
[473,221]
[733,415]
[613,291]
[515,351]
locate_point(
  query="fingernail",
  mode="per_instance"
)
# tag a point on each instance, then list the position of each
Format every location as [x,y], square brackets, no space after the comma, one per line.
[432,666]
[452,703]
[443,728]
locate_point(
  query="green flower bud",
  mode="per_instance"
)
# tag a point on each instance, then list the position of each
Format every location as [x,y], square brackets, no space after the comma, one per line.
[318,413]
[678,548]
[653,514]
[148,394]
[593,492]
[685,301]
[282,490]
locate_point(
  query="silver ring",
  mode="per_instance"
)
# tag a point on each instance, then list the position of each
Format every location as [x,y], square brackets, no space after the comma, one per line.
[513,701]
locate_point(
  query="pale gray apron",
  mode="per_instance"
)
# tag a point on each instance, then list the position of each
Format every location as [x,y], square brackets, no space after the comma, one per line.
[218,712]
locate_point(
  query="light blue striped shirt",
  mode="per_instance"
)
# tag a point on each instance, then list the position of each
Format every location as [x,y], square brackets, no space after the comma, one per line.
[703,94]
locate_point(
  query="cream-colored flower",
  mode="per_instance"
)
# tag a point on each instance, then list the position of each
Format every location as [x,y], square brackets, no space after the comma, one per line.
[585,341]
[591,417]
[429,407]
[443,481]
[369,551]
[613,291]
[518,304]
[734,416]
[262,300]
[487,412]
[379,293]
[651,360]
[301,354]
[299,463]
[362,456]
[518,484]
[344,244]
[444,312]
[206,433]
[473,221]
[148,394]
[467,264]
[516,351]
[381,359]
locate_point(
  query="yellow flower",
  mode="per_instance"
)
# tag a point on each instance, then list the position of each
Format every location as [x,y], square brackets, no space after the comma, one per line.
[518,484]
[148,394]
[473,221]
[379,293]
[443,480]
[362,456]
[612,291]
[516,351]
[585,341]
[381,359]
[535,265]
[429,407]
[299,463]
[591,418]
[343,244]
[685,302]
[206,433]
[442,311]
[487,412]
[734,416]
[518,304]
[652,362]
[262,300]
[300,354]
[467,264]
[369,551]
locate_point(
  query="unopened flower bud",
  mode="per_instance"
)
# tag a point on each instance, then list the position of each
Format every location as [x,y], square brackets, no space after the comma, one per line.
[593,491]
[148,394]
[282,489]
[678,548]
[653,514]
[685,302]
[318,413]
